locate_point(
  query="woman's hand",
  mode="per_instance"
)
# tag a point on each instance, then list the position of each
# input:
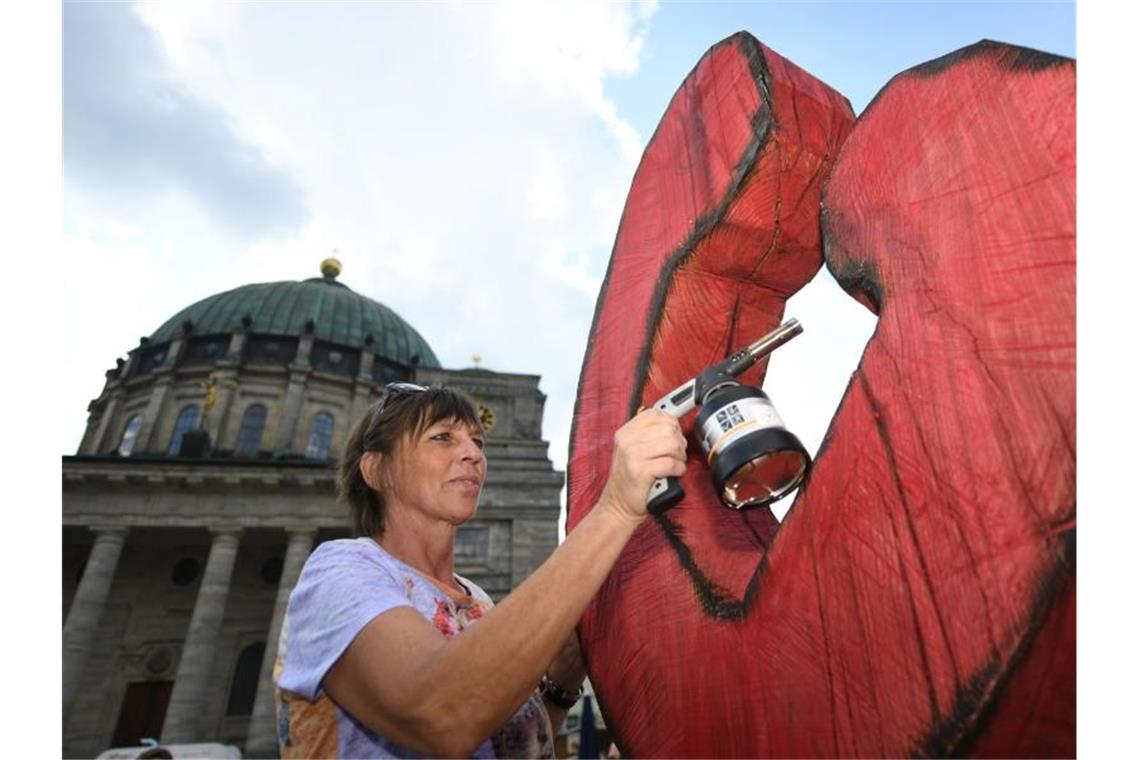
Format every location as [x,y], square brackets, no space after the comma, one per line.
[648,447]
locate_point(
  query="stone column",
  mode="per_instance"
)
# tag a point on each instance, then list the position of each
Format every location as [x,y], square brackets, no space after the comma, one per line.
[262,739]
[188,700]
[87,607]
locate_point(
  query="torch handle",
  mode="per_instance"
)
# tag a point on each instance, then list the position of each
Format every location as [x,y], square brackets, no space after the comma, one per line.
[664,494]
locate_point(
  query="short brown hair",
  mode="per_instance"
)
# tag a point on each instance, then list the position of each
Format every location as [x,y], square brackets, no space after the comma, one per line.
[405,414]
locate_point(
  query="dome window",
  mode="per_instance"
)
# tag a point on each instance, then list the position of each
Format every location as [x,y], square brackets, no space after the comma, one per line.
[130,436]
[270,350]
[206,349]
[329,357]
[150,359]
[187,421]
[249,435]
[320,436]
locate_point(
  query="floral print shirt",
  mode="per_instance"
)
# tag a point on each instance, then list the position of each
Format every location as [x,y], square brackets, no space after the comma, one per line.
[344,585]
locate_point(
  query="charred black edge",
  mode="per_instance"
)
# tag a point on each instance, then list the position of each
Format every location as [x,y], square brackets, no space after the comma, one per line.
[855,277]
[599,304]
[1011,57]
[716,602]
[953,736]
[761,127]
[762,122]
[1019,58]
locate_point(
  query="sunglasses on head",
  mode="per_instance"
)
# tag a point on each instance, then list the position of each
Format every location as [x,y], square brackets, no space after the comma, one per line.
[390,390]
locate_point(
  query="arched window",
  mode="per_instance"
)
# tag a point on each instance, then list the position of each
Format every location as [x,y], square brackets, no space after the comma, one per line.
[187,421]
[249,435]
[243,689]
[320,436]
[130,435]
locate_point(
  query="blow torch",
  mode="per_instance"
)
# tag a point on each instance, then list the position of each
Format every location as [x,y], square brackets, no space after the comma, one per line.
[753,458]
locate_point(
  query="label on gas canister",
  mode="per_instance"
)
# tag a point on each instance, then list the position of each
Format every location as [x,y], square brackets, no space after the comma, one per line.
[737,419]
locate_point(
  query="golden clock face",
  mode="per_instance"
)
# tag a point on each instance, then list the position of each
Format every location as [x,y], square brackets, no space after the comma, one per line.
[486,417]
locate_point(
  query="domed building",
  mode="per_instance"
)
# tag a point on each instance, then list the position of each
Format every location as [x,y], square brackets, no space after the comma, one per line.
[204,479]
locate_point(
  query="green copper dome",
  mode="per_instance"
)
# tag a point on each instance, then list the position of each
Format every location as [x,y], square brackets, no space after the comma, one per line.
[339,315]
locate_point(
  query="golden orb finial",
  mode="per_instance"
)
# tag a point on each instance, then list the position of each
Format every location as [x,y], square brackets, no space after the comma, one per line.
[331,267]
[476,358]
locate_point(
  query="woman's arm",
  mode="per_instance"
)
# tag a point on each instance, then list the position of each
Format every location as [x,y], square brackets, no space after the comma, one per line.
[404,680]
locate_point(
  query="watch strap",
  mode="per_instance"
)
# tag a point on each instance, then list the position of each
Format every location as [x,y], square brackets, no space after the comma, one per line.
[558,695]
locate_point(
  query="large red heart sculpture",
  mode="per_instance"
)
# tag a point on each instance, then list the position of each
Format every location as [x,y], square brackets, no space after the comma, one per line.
[919,598]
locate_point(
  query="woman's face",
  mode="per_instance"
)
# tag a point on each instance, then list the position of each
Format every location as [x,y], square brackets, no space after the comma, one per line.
[440,473]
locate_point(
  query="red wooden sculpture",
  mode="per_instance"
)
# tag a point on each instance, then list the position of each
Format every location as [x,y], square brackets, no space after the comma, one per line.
[920,596]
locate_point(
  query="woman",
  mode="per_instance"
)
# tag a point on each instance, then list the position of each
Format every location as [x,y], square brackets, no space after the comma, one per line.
[371,663]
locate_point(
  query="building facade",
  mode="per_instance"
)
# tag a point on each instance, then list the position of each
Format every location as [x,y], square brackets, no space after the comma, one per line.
[205,478]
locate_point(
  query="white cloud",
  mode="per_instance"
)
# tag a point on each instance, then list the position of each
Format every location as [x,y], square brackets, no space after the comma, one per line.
[463,159]
[134,135]
[548,191]
[579,46]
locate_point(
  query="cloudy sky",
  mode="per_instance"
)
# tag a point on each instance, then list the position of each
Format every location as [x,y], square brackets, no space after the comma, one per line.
[468,163]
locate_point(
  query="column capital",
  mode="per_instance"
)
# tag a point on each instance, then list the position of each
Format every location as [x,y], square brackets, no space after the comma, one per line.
[227,532]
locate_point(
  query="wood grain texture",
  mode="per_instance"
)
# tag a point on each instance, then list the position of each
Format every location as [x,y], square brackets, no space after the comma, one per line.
[919,598]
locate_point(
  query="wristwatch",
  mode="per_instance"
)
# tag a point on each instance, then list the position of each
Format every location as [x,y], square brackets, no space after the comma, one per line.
[557,694]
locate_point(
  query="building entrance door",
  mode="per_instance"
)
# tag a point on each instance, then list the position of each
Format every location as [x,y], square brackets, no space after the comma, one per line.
[142,713]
